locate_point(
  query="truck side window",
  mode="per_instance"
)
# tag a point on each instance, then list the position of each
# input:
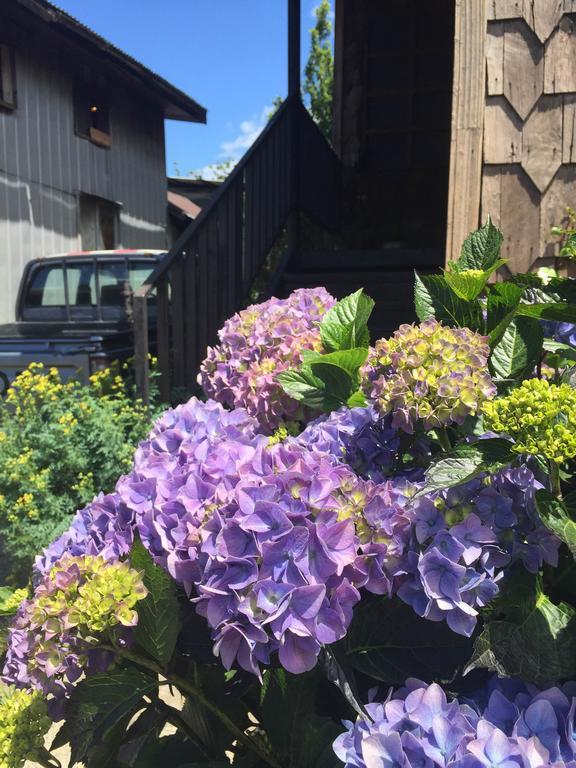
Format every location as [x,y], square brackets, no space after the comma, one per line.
[81,290]
[114,289]
[46,295]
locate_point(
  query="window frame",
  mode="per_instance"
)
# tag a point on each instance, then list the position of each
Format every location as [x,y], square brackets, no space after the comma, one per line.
[84,93]
[8,94]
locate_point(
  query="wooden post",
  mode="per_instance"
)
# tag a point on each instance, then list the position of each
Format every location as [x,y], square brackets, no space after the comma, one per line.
[141,362]
[294,48]
[293,226]
[468,101]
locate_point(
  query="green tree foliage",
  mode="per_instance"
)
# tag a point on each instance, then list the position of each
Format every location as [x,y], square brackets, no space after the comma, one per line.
[319,70]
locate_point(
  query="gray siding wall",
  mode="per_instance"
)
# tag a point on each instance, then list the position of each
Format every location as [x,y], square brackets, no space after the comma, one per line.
[45,166]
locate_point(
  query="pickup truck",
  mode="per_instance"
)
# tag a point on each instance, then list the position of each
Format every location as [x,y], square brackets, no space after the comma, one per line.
[73,312]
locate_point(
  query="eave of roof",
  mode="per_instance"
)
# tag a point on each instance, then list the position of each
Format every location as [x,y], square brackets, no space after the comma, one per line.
[177,104]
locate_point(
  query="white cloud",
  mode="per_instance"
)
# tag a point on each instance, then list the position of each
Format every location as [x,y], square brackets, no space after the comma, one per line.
[248,133]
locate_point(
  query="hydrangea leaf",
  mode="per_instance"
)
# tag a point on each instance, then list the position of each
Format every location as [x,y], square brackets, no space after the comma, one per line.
[299,736]
[503,299]
[519,350]
[99,706]
[557,517]
[558,311]
[466,461]
[535,642]
[481,249]
[323,385]
[389,642]
[558,348]
[345,325]
[304,386]
[433,297]
[468,284]
[349,360]
[158,623]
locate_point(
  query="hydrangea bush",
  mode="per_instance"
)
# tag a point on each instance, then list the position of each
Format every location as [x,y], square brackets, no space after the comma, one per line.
[345,555]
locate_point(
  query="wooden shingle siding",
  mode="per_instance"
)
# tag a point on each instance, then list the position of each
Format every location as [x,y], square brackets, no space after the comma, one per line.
[528,174]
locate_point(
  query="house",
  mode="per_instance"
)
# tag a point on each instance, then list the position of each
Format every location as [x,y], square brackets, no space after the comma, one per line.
[186,198]
[445,111]
[82,155]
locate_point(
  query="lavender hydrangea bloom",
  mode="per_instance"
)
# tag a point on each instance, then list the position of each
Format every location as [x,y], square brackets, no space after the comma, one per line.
[507,725]
[462,541]
[363,439]
[278,559]
[104,527]
[258,343]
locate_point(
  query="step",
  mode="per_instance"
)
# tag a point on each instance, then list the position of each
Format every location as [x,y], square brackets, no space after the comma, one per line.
[393,292]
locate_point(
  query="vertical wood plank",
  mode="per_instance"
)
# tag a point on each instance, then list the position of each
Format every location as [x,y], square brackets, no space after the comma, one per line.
[495,59]
[569,129]
[141,367]
[163,340]
[178,331]
[190,323]
[560,59]
[502,132]
[467,123]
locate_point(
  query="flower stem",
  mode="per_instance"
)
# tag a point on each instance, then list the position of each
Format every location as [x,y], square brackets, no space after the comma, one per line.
[554,472]
[444,440]
[192,690]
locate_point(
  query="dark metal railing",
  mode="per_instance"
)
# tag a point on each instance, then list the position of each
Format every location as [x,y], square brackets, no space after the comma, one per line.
[208,273]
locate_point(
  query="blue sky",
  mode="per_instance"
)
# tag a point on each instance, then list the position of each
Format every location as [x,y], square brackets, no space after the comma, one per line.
[230,55]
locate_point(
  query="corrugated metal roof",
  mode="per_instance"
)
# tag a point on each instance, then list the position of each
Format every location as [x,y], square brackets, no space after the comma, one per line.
[178,105]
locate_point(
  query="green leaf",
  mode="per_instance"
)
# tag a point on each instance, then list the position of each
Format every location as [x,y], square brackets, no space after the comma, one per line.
[519,350]
[158,614]
[345,325]
[481,249]
[535,641]
[299,736]
[564,313]
[466,285]
[388,641]
[349,360]
[357,400]
[303,386]
[466,461]
[338,385]
[433,297]
[503,299]
[558,517]
[98,707]
[558,348]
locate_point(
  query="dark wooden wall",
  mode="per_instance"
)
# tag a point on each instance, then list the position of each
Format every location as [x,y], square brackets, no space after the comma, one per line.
[392,118]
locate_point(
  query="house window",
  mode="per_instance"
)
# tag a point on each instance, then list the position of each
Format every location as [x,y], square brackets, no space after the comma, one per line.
[7,86]
[92,115]
[98,223]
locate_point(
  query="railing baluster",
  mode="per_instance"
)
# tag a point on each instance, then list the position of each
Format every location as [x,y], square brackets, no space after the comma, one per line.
[211,268]
[163,338]
[177,300]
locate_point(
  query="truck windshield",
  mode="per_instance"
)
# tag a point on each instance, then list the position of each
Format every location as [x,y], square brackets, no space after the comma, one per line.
[87,289]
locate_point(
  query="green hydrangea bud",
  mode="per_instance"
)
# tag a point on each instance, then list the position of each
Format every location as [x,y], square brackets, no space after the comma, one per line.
[539,416]
[23,723]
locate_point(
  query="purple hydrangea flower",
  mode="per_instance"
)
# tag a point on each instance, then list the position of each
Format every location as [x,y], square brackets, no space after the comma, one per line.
[506,725]
[255,345]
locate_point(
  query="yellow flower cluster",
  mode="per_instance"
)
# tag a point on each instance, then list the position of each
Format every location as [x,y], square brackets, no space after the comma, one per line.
[539,416]
[23,723]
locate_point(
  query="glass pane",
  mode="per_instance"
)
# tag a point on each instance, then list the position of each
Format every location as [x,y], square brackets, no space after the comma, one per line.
[114,289]
[47,288]
[81,284]
[139,272]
